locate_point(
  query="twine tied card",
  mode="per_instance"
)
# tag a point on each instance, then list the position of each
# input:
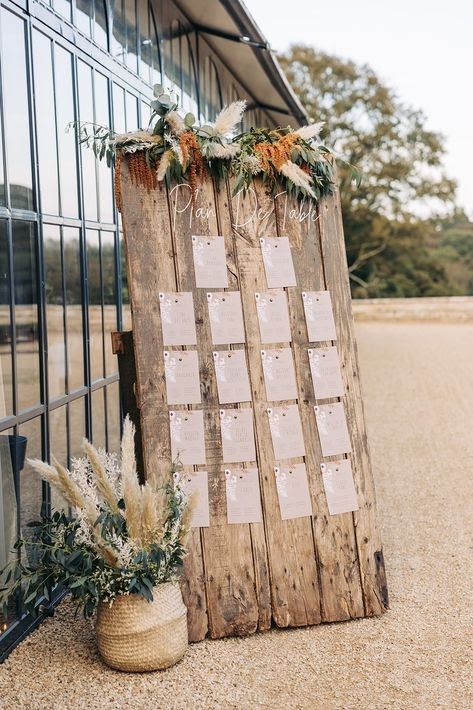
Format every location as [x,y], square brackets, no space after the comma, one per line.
[187,437]
[196,482]
[319,316]
[243,496]
[233,383]
[273,316]
[325,371]
[181,369]
[177,318]
[238,439]
[279,374]
[226,318]
[210,265]
[333,429]
[293,491]
[286,432]
[339,486]
[277,259]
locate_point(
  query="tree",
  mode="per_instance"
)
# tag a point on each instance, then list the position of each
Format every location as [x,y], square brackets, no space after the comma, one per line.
[389,218]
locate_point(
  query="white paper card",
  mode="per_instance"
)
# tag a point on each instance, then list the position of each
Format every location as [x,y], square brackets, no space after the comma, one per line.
[181,369]
[293,491]
[177,318]
[226,318]
[279,374]
[243,495]
[339,486]
[277,259]
[238,439]
[333,429]
[210,265]
[196,482]
[325,371]
[233,383]
[273,316]
[187,437]
[319,316]
[286,432]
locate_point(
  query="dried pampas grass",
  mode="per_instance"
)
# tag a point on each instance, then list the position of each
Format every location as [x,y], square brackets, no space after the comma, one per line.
[311,131]
[228,118]
[294,173]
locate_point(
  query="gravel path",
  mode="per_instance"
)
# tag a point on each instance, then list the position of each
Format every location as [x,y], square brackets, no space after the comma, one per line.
[419,403]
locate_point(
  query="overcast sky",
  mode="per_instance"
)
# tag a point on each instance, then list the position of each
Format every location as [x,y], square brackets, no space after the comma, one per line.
[422,48]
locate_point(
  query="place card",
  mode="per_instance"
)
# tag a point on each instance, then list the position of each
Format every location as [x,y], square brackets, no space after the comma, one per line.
[210,263]
[273,316]
[333,429]
[279,374]
[286,432]
[293,491]
[226,318]
[319,316]
[196,482]
[325,371]
[238,438]
[233,383]
[181,369]
[177,318]
[339,486]
[277,259]
[243,495]
[187,437]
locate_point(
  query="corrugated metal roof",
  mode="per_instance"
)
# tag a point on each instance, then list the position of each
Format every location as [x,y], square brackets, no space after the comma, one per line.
[251,59]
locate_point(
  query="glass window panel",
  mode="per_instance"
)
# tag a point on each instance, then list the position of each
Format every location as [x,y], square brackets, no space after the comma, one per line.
[189,89]
[131,112]
[26,313]
[109,298]
[119,122]
[54,310]
[8,522]
[30,490]
[146,60]
[16,107]
[66,139]
[45,123]
[95,305]
[100,24]
[76,426]
[145,114]
[72,275]
[63,7]
[102,117]
[86,110]
[118,34]
[58,447]
[98,418]
[113,417]
[131,35]
[6,393]
[156,76]
[84,16]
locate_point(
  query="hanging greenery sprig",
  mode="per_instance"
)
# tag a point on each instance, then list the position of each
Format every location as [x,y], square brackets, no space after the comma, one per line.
[175,148]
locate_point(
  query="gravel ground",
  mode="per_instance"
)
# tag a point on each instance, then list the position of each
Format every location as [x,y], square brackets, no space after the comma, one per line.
[419,403]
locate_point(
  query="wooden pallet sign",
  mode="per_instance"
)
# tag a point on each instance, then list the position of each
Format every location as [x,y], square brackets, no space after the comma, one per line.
[301,560]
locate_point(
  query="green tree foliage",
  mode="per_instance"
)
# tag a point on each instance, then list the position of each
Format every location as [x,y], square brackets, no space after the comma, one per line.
[394,237]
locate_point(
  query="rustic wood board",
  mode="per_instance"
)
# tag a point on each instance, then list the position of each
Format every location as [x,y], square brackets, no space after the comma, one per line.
[241,578]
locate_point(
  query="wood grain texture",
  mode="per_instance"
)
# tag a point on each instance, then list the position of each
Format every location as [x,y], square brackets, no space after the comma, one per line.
[240,578]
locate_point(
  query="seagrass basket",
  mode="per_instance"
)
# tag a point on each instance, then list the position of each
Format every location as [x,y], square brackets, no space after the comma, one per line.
[135,635]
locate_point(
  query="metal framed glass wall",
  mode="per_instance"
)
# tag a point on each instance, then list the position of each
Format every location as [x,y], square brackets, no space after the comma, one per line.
[62,286]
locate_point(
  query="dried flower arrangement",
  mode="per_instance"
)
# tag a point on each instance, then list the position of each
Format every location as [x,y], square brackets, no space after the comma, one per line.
[176,148]
[120,538]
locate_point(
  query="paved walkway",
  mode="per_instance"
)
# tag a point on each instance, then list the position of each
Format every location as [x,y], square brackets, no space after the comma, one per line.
[418,385]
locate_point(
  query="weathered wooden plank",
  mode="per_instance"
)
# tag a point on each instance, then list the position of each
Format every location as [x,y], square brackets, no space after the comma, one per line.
[293,570]
[151,269]
[370,552]
[228,557]
[338,570]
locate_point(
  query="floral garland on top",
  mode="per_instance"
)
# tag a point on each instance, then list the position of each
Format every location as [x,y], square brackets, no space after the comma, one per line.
[174,148]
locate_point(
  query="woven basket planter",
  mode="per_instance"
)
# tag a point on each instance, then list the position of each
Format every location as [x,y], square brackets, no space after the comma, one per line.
[135,635]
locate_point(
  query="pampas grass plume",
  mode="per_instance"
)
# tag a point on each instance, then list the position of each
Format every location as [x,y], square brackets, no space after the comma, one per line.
[229,117]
